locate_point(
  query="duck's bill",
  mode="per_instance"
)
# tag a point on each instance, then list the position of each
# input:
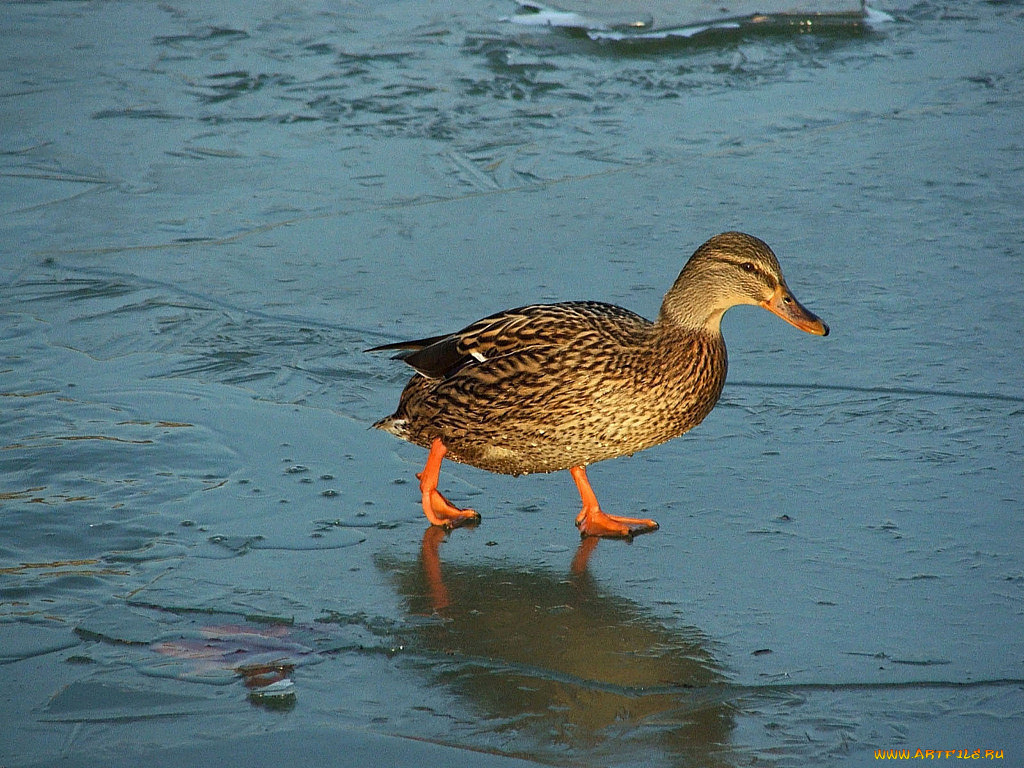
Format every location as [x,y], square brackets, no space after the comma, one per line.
[785,305]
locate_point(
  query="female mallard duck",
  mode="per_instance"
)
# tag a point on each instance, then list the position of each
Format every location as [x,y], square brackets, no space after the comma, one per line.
[560,386]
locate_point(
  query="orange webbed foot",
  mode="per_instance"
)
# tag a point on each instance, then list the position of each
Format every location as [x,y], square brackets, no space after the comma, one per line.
[593,522]
[436,507]
[440,511]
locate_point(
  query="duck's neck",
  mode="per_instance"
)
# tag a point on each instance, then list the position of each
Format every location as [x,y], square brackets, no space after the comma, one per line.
[692,307]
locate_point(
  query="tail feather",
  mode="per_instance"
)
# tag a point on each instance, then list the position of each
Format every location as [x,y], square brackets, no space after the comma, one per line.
[397,427]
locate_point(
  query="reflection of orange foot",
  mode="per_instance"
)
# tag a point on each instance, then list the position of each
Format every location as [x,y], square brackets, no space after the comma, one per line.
[430,558]
[437,508]
[579,562]
[593,522]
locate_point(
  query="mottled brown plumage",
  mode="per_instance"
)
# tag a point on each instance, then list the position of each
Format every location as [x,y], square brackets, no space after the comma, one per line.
[549,396]
[547,387]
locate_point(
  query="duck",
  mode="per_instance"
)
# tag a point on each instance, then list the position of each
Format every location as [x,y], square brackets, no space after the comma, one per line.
[561,386]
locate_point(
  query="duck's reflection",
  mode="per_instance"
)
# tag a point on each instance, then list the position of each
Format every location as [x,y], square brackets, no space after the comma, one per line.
[554,662]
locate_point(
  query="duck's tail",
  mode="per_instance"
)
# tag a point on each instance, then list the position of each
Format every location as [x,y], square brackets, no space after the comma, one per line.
[396,426]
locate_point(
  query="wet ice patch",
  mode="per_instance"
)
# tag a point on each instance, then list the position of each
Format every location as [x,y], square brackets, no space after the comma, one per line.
[653,21]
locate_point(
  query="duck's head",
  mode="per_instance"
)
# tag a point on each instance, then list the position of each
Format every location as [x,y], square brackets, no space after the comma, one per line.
[729,269]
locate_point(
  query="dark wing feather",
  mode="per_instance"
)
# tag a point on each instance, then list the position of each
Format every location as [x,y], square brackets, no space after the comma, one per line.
[408,345]
[435,357]
[437,360]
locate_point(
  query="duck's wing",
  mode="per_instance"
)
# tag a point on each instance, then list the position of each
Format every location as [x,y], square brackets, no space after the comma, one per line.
[513,331]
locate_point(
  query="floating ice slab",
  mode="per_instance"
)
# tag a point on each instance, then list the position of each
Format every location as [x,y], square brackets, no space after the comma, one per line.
[662,19]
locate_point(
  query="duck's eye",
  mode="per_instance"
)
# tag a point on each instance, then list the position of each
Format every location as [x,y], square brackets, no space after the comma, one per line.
[748,266]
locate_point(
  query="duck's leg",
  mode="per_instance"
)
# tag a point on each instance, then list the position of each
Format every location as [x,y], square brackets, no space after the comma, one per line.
[593,522]
[437,508]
